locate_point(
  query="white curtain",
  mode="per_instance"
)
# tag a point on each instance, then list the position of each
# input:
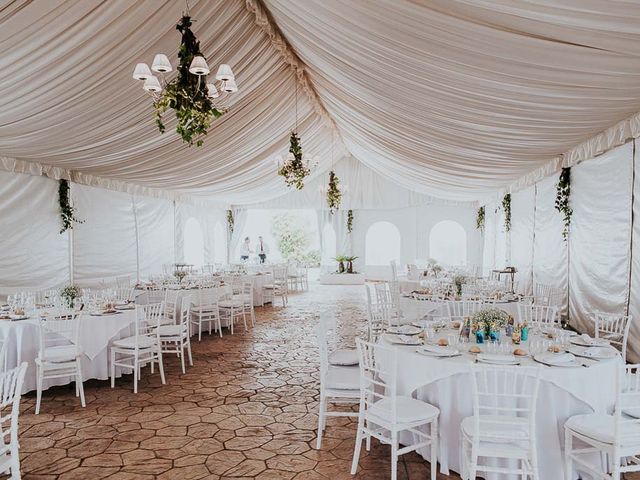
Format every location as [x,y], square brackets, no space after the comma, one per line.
[522,232]
[34,254]
[634,297]
[489,246]
[600,239]
[239,222]
[156,236]
[549,249]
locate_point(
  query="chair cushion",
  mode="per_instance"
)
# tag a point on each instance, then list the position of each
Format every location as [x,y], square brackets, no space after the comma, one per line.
[230,304]
[130,342]
[601,427]
[343,378]
[408,410]
[170,330]
[344,357]
[62,353]
[494,428]
[269,286]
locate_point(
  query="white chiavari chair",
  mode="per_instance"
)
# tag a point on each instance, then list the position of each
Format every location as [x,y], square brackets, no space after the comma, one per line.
[503,422]
[10,390]
[59,353]
[231,308]
[459,309]
[142,348]
[341,357]
[4,352]
[617,435]
[176,338]
[247,303]
[385,304]
[204,309]
[614,328]
[540,316]
[376,320]
[171,300]
[383,414]
[279,287]
[338,385]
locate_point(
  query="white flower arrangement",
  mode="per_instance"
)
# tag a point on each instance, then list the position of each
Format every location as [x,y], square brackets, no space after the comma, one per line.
[489,319]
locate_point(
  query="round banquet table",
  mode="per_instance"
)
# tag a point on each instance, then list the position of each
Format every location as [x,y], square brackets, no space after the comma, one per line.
[96,333]
[446,384]
[413,310]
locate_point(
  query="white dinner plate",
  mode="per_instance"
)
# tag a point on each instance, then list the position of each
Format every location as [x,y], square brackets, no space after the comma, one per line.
[547,359]
[597,342]
[437,351]
[404,330]
[496,359]
[597,353]
[404,340]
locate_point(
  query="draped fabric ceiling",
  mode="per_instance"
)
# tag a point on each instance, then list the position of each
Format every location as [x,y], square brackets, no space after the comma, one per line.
[450,99]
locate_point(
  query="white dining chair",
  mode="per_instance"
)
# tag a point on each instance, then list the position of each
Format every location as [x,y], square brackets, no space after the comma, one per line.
[247,302]
[385,303]
[613,328]
[339,385]
[231,309]
[342,357]
[279,287]
[540,316]
[204,309]
[458,309]
[176,338]
[376,320]
[4,353]
[59,353]
[503,422]
[383,414]
[617,436]
[10,390]
[171,301]
[142,348]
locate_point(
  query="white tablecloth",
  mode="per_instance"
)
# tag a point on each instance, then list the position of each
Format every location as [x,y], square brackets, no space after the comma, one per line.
[96,332]
[258,280]
[445,383]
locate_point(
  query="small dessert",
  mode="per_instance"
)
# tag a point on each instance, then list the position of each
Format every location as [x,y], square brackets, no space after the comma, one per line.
[455,325]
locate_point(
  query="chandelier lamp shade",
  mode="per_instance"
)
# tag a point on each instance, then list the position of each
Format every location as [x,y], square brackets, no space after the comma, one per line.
[195,97]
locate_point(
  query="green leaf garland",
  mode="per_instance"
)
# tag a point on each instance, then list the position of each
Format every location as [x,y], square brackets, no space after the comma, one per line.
[67,211]
[293,170]
[230,222]
[563,197]
[349,221]
[506,206]
[480,219]
[334,196]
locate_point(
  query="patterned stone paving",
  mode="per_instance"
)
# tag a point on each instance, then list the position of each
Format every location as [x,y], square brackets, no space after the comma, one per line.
[246,409]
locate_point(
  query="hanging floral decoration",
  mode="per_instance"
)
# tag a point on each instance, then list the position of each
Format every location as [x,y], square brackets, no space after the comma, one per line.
[506,206]
[294,168]
[67,211]
[230,221]
[349,221]
[187,94]
[480,219]
[563,196]
[334,196]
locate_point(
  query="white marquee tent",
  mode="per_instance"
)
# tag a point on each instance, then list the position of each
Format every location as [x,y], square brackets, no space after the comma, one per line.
[433,105]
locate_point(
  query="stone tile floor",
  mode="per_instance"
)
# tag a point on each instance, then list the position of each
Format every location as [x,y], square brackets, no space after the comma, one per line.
[246,409]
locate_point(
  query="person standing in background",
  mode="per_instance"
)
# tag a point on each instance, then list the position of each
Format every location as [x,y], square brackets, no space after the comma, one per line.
[262,250]
[245,250]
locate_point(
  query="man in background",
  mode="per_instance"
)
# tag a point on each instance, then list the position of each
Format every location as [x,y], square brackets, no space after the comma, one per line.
[262,249]
[245,250]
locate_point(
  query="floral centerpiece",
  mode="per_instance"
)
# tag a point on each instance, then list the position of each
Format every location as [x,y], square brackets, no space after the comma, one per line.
[180,274]
[489,321]
[458,281]
[69,294]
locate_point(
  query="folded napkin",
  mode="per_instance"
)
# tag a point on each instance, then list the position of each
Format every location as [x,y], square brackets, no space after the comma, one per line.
[556,358]
[592,341]
[497,357]
[597,352]
[408,339]
[405,330]
[439,349]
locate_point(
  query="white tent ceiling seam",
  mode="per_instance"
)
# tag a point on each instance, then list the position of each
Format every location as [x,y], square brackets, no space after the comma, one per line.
[56,173]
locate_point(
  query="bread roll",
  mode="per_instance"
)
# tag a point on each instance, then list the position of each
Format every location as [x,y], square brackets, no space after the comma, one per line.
[443,342]
[519,352]
[475,349]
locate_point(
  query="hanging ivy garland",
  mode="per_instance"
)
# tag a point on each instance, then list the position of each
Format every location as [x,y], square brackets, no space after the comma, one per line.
[506,206]
[334,196]
[67,211]
[349,221]
[230,221]
[563,195]
[480,219]
[187,93]
[293,169]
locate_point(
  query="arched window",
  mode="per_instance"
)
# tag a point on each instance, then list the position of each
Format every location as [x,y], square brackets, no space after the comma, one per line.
[219,243]
[448,243]
[193,243]
[328,244]
[382,244]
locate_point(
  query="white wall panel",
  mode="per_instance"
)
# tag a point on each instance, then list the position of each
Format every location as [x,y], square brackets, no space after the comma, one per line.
[633,353]
[105,245]
[599,242]
[549,250]
[155,222]
[34,254]
[522,212]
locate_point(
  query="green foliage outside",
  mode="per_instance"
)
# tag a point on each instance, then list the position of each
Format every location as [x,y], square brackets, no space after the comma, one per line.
[293,240]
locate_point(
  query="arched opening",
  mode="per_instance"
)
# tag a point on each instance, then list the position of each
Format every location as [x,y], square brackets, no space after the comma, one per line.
[328,244]
[448,243]
[193,243]
[219,243]
[382,244]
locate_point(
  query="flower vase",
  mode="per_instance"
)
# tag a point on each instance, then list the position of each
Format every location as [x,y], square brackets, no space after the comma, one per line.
[340,267]
[479,336]
[494,336]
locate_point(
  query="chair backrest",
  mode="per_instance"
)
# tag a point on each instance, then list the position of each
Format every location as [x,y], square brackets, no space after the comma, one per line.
[394,271]
[504,395]
[538,315]
[59,330]
[614,328]
[323,349]
[376,319]
[463,308]
[10,390]
[148,319]
[185,308]
[378,376]
[4,343]
[207,297]
[627,411]
[384,302]
[247,292]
